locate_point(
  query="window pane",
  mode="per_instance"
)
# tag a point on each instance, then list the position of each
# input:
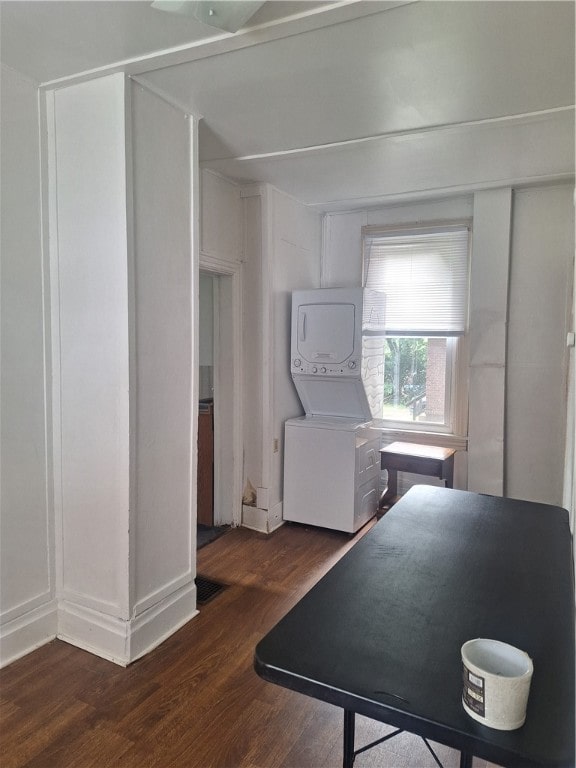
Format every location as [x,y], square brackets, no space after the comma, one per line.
[415,379]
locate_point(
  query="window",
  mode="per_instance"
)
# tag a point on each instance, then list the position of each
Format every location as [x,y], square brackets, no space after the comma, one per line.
[424,274]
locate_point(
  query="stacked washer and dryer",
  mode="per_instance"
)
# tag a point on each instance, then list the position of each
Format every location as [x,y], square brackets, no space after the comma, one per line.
[331,455]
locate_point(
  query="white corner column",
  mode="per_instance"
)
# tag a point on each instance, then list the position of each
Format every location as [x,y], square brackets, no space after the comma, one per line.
[123,350]
[91,374]
[163,370]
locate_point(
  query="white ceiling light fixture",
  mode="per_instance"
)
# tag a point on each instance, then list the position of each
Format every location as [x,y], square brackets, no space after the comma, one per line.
[229,15]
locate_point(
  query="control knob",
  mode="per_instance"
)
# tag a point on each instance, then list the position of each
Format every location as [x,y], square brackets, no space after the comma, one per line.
[314,370]
[352,364]
[322,370]
[297,363]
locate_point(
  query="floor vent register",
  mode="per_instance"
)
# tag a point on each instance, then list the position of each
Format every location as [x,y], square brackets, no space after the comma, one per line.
[206,590]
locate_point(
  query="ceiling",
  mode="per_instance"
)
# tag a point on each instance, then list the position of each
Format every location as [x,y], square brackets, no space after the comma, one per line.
[339,104]
[51,39]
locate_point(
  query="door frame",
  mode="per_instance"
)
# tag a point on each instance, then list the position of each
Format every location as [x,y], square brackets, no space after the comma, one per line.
[227,389]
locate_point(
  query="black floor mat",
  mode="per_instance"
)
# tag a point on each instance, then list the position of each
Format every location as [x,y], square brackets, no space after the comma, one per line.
[206,589]
[207,533]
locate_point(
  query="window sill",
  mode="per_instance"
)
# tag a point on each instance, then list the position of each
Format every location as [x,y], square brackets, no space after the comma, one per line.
[458,442]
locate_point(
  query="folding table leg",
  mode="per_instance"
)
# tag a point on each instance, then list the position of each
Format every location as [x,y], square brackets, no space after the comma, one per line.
[465,760]
[349,724]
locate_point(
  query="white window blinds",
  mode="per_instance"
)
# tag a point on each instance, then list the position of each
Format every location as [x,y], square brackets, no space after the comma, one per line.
[424,275]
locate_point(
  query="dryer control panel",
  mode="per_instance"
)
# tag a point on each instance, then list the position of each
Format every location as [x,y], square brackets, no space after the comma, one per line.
[323,368]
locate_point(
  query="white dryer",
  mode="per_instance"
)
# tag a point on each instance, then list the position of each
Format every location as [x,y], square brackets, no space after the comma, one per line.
[337,351]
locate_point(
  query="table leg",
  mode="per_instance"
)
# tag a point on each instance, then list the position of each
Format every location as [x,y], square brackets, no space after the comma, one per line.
[349,724]
[448,471]
[392,487]
[465,760]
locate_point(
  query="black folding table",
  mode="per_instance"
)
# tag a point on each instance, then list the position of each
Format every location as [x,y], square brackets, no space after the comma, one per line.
[380,634]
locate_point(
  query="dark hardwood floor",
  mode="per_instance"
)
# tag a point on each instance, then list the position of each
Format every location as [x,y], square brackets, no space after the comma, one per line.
[195,701]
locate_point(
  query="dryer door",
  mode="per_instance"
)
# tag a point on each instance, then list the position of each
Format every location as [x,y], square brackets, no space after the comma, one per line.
[325,332]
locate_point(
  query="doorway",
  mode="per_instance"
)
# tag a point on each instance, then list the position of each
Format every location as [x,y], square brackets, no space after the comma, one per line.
[219,417]
[208,287]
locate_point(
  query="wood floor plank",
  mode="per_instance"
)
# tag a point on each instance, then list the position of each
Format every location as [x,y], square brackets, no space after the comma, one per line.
[27,734]
[21,674]
[195,701]
[7,709]
[94,747]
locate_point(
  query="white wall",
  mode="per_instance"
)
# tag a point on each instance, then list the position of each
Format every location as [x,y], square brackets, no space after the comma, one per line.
[540,312]
[206,320]
[296,265]
[488,319]
[252,330]
[221,216]
[27,607]
[162,356]
[221,248]
[90,282]
[509,431]
[208,288]
[282,254]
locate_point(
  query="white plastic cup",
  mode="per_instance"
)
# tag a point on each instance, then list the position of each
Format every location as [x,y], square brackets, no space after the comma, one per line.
[497,679]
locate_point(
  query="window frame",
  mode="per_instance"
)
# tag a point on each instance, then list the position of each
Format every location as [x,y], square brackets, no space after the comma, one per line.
[454,431]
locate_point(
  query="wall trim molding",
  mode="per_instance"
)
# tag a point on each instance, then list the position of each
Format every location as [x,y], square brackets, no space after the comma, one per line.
[153,626]
[336,12]
[21,609]
[262,520]
[95,632]
[23,634]
[122,641]
[525,117]
[432,194]
[153,598]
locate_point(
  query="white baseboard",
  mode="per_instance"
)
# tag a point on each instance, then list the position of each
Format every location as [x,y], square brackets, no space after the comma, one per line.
[93,631]
[158,622]
[275,519]
[24,634]
[262,520]
[122,641]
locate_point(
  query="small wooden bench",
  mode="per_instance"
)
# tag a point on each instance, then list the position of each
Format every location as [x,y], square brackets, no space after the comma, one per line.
[420,459]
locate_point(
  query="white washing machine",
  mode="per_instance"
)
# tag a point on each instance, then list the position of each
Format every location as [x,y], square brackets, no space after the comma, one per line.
[331,472]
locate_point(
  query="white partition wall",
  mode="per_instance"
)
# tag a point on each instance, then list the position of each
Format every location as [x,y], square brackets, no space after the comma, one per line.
[488,319]
[541,280]
[282,245]
[123,349]
[296,265]
[27,589]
